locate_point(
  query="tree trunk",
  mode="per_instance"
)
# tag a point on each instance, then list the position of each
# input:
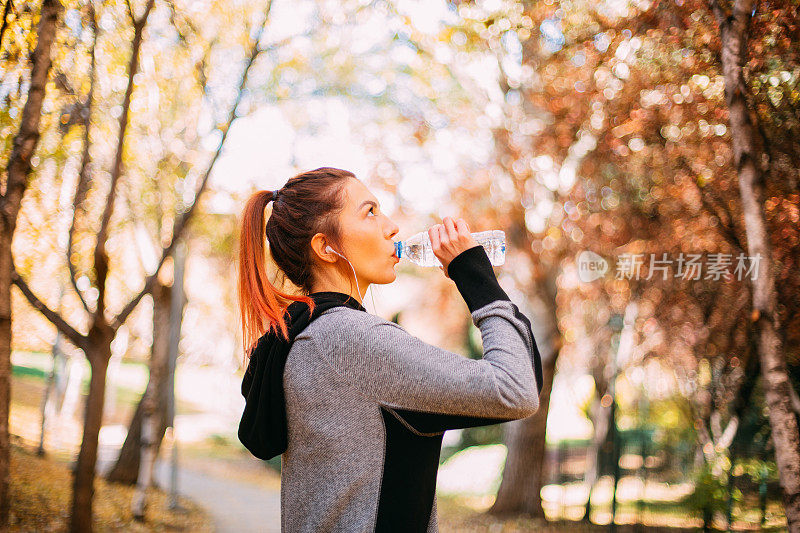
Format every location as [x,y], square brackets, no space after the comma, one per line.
[126,469]
[601,418]
[161,378]
[747,158]
[523,474]
[83,481]
[72,389]
[54,387]
[5,370]
[19,167]
[118,349]
[176,318]
[52,392]
[524,471]
[149,453]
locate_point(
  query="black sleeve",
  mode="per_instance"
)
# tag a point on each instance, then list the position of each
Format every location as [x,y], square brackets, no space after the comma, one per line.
[474,277]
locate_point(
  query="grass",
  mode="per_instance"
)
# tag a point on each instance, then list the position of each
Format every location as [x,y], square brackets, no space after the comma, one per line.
[40,501]
[467,514]
[35,367]
[459,514]
[463,514]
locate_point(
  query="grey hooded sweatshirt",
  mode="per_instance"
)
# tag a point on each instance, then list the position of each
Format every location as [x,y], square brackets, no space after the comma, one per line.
[367,405]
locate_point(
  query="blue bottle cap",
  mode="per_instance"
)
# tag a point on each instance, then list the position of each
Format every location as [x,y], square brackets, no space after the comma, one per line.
[398,248]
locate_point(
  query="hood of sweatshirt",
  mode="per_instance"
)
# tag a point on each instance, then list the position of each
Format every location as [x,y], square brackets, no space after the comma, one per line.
[262,428]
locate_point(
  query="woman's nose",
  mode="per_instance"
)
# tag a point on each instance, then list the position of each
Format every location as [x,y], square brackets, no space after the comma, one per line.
[393,229]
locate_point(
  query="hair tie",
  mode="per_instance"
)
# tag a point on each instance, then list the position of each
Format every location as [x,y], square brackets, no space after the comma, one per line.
[275,195]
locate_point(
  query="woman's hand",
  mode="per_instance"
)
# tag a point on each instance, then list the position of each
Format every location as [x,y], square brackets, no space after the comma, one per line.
[449,239]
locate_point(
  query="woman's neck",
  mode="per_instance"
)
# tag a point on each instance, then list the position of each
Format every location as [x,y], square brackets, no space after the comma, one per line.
[332,280]
[325,287]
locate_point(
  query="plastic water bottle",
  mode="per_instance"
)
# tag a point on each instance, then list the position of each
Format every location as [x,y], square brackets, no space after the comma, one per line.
[418,249]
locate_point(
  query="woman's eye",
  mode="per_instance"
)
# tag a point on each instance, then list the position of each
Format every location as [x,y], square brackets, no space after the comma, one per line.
[371,210]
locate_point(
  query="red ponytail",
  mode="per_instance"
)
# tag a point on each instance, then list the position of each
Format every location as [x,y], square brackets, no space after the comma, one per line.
[262,306]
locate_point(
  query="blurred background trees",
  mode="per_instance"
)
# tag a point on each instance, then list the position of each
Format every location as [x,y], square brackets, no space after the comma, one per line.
[661,135]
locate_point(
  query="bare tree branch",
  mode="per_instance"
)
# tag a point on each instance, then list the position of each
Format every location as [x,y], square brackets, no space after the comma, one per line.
[78,339]
[129,7]
[84,179]
[173,19]
[183,218]
[100,254]
[6,12]
[714,207]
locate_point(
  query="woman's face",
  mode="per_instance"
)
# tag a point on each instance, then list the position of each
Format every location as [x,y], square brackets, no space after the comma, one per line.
[367,241]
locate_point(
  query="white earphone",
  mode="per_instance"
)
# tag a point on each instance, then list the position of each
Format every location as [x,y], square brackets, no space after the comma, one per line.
[329,249]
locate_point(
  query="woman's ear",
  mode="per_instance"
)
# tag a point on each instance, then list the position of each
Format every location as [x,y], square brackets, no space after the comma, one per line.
[322,249]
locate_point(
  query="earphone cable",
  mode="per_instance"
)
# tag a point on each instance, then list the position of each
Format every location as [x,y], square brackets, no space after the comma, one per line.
[360,296]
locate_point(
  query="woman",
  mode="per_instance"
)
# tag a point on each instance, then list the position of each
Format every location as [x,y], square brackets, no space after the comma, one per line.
[356,405]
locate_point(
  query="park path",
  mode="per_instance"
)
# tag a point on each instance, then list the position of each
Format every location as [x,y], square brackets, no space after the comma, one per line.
[239,496]
[236,506]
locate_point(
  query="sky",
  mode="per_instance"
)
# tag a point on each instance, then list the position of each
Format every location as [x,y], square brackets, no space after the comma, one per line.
[263,149]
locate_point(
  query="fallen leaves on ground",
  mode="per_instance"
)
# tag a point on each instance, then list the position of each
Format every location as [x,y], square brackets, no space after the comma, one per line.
[41,491]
